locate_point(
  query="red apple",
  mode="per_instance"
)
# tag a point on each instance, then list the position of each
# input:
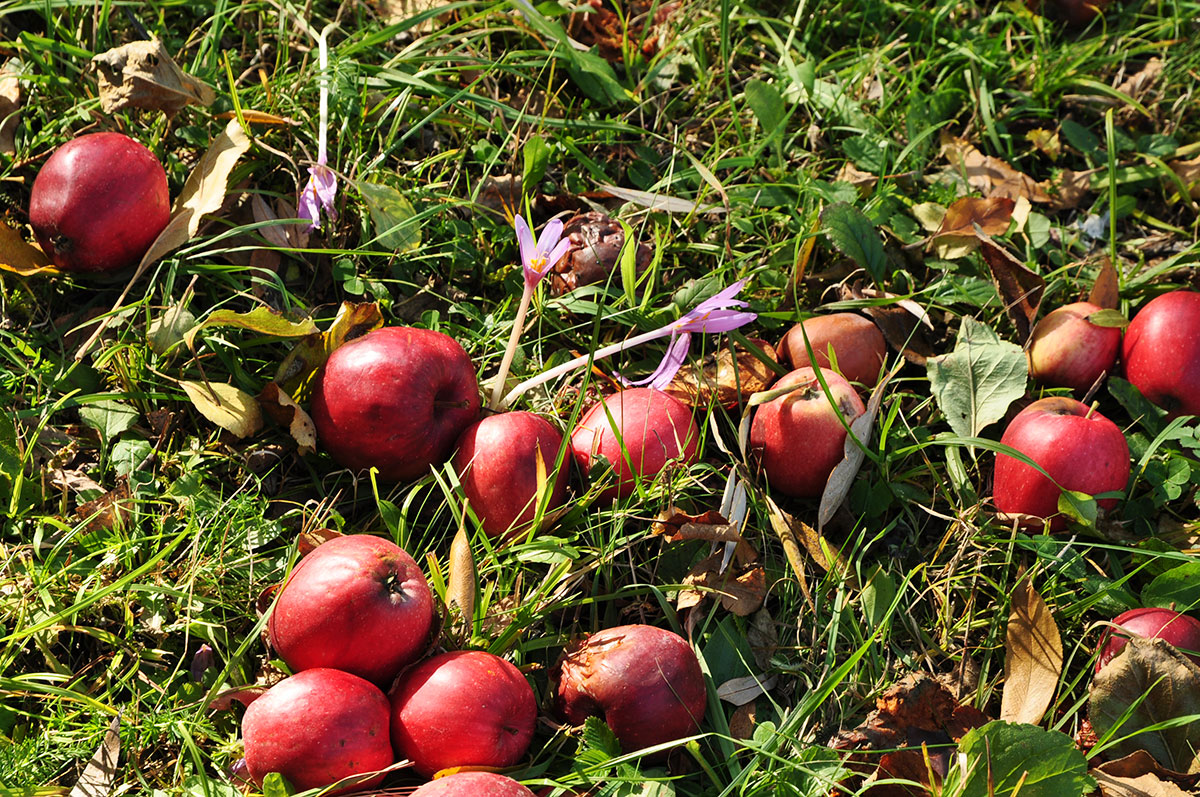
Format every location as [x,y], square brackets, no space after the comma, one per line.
[1162,352]
[1072,12]
[395,399]
[1067,350]
[465,708]
[497,464]
[473,784]
[1079,448]
[357,603]
[638,431]
[857,344]
[1178,630]
[798,437]
[644,681]
[98,203]
[318,727]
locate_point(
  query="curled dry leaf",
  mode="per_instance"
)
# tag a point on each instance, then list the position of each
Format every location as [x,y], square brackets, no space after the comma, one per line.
[309,539]
[1033,658]
[353,320]
[727,377]
[596,242]
[232,409]
[794,532]
[741,590]
[991,214]
[259,118]
[1020,289]
[676,525]
[97,778]
[287,413]
[1139,775]
[990,176]
[902,323]
[614,27]
[10,105]
[142,74]
[1106,291]
[19,257]
[106,512]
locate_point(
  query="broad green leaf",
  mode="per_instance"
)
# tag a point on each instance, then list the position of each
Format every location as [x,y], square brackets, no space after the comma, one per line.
[1148,698]
[108,417]
[1179,586]
[767,104]
[1079,507]
[262,320]
[995,758]
[1108,318]
[974,384]
[395,220]
[856,237]
[276,785]
[536,155]
[228,407]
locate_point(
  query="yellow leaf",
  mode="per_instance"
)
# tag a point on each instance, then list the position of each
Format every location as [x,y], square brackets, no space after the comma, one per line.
[1033,659]
[232,409]
[461,589]
[22,258]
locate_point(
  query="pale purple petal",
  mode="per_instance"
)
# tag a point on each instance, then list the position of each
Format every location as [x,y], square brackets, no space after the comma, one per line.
[558,252]
[318,195]
[525,241]
[671,363]
[549,237]
[715,321]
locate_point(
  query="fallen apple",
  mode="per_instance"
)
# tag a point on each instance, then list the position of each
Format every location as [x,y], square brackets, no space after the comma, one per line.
[316,728]
[98,203]
[1067,350]
[798,438]
[858,346]
[1072,12]
[1162,352]
[644,681]
[497,461]
[1179,630]
[1079,449]
[473,784]
[395,399]
[464,708]
[637,431]
[357,603]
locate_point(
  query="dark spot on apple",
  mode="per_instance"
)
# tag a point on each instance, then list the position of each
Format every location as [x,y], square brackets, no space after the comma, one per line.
[61,243]
[395,587]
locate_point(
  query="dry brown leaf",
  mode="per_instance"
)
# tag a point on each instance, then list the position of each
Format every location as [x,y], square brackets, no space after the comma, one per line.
[863,181]
[74,480]
[841,478]
[742,721]
[393,12]
[142,74]
[742,691]
[1106,291]
[990,176]
[107,511]
[460,591]
[258,118]
[1139,83]
[1189,173]
[792,530]
[285,236]
[1069,188]
[1141,786]
[19,257]
[10,105]
[287,413]
[1033,658]
[309,539]
[1139,770]
[733,382]
[992,214]
[97,778]
[1020,289]
[740,591]
[676,525]
[232,409]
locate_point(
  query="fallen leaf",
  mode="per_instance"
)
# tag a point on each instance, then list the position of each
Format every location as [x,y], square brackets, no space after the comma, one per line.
[1139,775]
[740,591]
[1069,188]
[287,413]
[792,530]
[676,525]
[742,721]
[263,320]
[203,193]
[1141,786]
[852,175]
[74,480]
[659,202]
[19,257]
[741,691]
[232,409]
[975,384]
[990,176]
[727,377]
[142,74]
[1189,173]
[1020,289]
[991,214]
[1148,684]
[1045,141]
[309,539]
[285,236]
[394,12]
[1033,658]
[396,224]
[1106,290]
[1137,85]
[169,329]
[353,320]
[258,118]
[97,778]
[460,590]
[841,478]
[106,512]
[10,105]
[596,240]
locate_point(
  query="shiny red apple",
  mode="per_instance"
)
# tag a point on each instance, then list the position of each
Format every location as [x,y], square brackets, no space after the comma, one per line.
[98,203]
[316,728]
[645,682]
[1067,350]
[473,784]
[638,431]
[395,399]
[1162,352]
[464,708]
[497,464]
[357,603]
[858,346]
[1079,448]
[1179,630]
[798,438]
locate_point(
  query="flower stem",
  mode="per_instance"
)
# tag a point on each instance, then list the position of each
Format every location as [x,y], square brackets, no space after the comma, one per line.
[513,340]
[567,367]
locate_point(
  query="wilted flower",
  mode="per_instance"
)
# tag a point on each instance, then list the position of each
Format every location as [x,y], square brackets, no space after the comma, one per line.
[537,259]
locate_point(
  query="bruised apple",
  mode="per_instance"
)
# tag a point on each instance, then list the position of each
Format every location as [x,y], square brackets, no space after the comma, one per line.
[98,203]
[797,436]
[473,784]
[638,431]
[644,681]
[467,708]
[497,464]
[1162,352]
[858,345]
[1179,630]
[395,399]
[1079,448]
[357,603]
[1067,350]
[318,727]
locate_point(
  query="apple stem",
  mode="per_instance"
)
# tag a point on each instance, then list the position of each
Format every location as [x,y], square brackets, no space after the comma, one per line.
[1091,409]
[582,360]
[511,351]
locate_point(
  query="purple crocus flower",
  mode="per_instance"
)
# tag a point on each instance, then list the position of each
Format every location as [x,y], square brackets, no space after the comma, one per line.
[319,193]
[537,259]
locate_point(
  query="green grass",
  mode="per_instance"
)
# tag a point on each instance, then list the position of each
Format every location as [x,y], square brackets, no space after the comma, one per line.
[750,107]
